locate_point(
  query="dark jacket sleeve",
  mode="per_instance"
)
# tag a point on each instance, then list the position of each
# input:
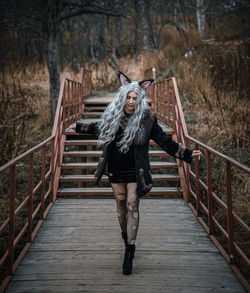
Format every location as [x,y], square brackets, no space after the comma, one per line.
[91,128]
[166,142]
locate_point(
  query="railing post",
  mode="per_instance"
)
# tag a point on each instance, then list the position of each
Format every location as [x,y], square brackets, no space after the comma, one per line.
[59,139]
[229,212]
[197,183]
[52,169]
[173,108]
[43,182]
[209,193]
[68,99]
[153,97]
[179,124]
[11,219]
[168,102]
[76,97]
[160,100]
[164,103]
[30,201]
[78,101]
[72,100]
[64,109]
[156,100]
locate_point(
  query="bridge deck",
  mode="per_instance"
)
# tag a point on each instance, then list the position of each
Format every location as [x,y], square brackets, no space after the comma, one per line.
[79,249]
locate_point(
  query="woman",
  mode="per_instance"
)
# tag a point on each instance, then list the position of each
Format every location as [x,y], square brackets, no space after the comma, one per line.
[125,129]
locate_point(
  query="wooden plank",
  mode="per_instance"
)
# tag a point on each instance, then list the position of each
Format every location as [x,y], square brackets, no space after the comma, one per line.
[84,165]
[103,100]
[95,108]
[87,114]
[91,178]
[109,191]
[81,142]
[87,141]
[95,153]
[79,249]
[65,285]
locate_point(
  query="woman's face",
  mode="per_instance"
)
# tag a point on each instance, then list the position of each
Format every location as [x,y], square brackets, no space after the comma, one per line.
[130,102]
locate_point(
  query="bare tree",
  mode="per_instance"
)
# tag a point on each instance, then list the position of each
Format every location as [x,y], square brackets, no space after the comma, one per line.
[42,20]
[201,7]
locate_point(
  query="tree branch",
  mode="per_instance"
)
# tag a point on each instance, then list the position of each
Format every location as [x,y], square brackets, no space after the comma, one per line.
[90,11]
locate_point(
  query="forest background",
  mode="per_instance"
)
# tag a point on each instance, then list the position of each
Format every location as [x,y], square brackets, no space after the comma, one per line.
[205,44]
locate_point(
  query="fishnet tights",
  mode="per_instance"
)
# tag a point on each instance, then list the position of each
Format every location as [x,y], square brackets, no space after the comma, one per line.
[127,209]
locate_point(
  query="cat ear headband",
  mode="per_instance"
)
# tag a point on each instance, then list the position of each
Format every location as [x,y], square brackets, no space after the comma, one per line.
[124,80]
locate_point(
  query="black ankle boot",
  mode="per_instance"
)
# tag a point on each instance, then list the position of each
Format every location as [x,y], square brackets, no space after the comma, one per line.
[128,259]
[125,238]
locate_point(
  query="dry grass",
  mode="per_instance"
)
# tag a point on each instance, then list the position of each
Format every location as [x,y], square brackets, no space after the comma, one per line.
[221,118]
[217,113]
[23,112]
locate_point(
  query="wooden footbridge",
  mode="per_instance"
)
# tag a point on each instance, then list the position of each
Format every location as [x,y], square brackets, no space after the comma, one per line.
[62,231]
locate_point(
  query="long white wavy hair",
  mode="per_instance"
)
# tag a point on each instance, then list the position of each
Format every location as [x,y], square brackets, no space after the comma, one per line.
[114,113]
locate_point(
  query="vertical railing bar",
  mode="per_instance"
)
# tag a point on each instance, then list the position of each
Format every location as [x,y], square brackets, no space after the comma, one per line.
[161,103]
[43,182]
[81,105]
[168,101]
[155,97]
[80,100]
[72,106]
[173,108]
[76,100]
[68,99]
[59,139]
[209,192]
[64,109]
[197,183]
[178,124]
[157,100]
[229,211]
[52,170]
[11,219]
[187,168]
[30,201]
[164,103]
[156,86]
[73,101]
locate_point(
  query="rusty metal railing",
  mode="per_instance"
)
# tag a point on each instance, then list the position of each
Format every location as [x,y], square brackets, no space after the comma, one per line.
[37,199]
[199,192]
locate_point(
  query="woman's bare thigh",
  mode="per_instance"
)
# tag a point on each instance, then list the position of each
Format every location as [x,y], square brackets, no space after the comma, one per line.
[120,190]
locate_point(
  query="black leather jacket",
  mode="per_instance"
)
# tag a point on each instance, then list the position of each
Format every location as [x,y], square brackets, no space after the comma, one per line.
[142,165]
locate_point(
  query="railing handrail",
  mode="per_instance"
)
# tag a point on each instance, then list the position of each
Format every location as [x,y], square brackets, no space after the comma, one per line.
[73,91]
[25,154]
[39,145]
[161,100]
[217,153]
[212,150]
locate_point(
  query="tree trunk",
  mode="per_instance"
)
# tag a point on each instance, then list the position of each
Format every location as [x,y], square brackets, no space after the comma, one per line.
[53,68]
[200,14]
[74,58]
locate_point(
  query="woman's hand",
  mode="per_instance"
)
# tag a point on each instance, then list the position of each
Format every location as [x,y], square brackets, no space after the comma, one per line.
[197,154]
[73,127]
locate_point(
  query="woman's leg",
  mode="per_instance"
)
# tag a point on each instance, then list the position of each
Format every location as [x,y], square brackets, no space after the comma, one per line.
[132,213]
[120,191]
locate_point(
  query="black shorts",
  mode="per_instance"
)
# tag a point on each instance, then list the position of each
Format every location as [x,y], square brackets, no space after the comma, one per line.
[128,179]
